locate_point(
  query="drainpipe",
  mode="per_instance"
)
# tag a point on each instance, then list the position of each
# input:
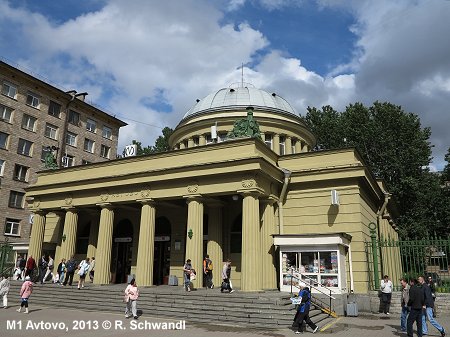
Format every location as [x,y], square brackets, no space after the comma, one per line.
[287,178]
[380,213]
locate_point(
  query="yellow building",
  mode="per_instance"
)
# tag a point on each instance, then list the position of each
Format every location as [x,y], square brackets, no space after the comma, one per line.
[268,204]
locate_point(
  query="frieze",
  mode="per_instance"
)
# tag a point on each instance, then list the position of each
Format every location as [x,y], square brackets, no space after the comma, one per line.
[145,193]
[36,203]
[248,181]
[68,200]
[192,188]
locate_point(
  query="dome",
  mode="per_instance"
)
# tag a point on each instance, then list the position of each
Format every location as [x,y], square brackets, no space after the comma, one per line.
[240,97]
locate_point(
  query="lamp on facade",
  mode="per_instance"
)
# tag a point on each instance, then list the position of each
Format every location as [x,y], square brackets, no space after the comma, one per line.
[235,197]
[64,237]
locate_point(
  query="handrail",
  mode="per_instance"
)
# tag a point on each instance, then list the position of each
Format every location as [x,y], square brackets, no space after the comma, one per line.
[312,286]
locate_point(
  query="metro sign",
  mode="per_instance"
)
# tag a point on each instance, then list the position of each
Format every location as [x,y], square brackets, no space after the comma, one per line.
[130,150]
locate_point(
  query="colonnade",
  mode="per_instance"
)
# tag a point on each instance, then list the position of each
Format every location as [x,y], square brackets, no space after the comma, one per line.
[257,266]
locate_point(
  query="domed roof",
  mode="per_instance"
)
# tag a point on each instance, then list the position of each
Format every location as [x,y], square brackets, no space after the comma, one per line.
[240,97]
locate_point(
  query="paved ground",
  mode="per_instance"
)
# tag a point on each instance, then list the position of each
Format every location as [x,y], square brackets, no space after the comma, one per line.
[49,322]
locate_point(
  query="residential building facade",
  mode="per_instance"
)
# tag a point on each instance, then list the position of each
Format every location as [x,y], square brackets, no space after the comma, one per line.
[36,119]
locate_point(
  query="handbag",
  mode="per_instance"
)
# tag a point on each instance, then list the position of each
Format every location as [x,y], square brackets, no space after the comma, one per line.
[126,298]
[193,276]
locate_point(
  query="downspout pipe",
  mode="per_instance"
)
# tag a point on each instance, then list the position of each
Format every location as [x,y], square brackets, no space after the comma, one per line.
[380,213]
[287,179]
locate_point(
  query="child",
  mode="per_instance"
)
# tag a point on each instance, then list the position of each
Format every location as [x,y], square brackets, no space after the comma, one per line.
[4,290]
[131,296]
[25,293]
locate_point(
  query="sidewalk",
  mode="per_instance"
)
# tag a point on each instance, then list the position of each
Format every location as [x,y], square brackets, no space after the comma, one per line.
[49,322]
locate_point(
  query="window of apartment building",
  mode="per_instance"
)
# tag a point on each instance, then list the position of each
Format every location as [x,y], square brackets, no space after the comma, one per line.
[268,140]
[85,162]
[28,122]
[16,199]
[282,145]
[88,145]
[196,141]
[67,161]
[3,140]
[21,172]
[9,90]
[33,99]
[25,147]
[45,151]
[104,151]
[71,139]
[51,131]
[107,132]
[12,227]
[2,166]
[91,125]
[209,139]
[5,113]
[74,118]
[54,109]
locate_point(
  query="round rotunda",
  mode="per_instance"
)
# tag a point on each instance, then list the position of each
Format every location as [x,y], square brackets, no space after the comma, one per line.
[212,117]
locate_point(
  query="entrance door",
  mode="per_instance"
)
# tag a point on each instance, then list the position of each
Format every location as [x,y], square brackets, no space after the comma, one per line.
[123,264]
[161,263]
[122,251]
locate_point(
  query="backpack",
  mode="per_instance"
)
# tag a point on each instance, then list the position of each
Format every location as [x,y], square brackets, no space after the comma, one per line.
[71,266]
[209,265]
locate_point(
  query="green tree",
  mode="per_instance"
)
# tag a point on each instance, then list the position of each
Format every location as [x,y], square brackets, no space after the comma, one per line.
[395,147]
[446,171]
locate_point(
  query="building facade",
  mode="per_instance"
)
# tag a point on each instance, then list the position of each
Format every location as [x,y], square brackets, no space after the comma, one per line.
[35,119]
[270,205]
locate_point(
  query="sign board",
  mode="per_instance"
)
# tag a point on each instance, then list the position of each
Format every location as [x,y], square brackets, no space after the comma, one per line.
[31,219]
[65,161]
[162,238]
[130,150]
[123,239]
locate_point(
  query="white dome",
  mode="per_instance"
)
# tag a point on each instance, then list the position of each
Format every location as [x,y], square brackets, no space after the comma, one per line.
[240,97]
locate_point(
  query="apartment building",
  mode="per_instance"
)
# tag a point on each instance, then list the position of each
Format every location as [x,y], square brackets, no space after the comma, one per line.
[35,118]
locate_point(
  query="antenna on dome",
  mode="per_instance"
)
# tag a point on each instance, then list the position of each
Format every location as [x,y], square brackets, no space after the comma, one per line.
[242,75]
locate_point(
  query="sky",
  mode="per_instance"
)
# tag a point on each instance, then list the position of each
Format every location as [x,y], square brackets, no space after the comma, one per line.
[147,61]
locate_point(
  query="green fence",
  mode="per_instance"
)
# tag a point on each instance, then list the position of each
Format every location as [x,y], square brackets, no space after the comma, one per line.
[428,257]
[6,258]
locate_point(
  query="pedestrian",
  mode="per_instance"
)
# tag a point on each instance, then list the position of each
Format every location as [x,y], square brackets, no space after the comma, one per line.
[22,264]
[386,294]
[187,269]
[61,271]
[71,266]
[25,293]
[416,302]
[429,309]
[4,290]
[226,277]
[404,302]
[208,271]
[303,312]
[18,271]
[433,293]
[30,266]
[83,269]
[92,269]
[131,296]
[50,267]
[43,264]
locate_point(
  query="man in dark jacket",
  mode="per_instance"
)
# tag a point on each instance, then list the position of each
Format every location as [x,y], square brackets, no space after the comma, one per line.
[303,311]
[429,303]
[71,266]
[416,302]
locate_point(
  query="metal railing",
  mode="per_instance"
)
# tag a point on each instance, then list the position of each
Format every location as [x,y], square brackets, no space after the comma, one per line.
[427,257]
[310,284]
[6,258]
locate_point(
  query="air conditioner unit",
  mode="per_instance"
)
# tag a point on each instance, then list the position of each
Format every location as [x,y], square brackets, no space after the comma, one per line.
[334,198]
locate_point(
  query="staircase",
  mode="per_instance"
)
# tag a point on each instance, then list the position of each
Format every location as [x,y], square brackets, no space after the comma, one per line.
[270,309]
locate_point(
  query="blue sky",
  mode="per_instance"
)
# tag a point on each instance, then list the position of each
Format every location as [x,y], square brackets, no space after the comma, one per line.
[148,60]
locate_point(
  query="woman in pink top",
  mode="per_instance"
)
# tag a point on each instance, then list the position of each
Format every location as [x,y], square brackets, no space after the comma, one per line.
[25,293]
[131,296]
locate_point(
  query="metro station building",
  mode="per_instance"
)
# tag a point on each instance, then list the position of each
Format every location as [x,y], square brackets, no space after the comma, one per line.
[267,204]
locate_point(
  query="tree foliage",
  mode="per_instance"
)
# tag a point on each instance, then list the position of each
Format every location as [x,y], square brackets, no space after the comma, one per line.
[397,149]
[161,144]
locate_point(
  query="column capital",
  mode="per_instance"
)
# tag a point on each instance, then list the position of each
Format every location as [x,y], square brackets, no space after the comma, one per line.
[269,200]
[256,192]
[39,211]
[106,205]
[147,201]
[193,197]
[72,209]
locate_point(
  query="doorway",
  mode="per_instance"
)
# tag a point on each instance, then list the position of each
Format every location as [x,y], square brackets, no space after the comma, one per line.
[122,252]
[161,258]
